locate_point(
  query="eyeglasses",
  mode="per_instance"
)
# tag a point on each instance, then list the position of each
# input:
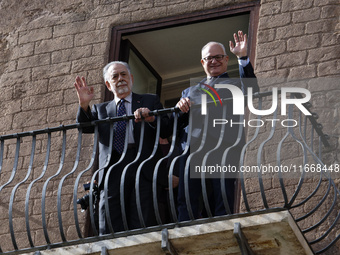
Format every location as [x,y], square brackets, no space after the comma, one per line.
[217,57]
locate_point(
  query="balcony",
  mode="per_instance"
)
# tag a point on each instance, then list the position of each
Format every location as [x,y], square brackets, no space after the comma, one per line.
[42,173]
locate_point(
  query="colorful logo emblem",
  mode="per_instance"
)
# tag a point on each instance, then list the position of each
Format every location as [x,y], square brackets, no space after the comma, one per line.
[210,94]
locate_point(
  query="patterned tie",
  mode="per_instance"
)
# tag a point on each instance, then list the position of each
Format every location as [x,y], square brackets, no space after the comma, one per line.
[119,137]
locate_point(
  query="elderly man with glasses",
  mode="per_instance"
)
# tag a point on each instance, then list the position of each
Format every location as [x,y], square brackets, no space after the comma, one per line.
[221,199]
[123,159]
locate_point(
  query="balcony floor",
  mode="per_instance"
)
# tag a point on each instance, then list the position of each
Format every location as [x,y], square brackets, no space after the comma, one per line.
[267,233]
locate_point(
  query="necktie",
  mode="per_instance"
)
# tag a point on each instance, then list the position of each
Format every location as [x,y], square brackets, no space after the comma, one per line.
[119,136]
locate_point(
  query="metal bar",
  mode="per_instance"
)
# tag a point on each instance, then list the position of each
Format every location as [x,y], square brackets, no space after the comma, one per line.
[122,180]
[43,196]
[242,157]
[184,155]
[15,189]
[91,203]
[205,158]
[30,188]
[315,124]
[84,124]
[242,240]
[104,251]
[60,186]
[259,156]
[15,166]
[1,153]
[166,245]
[187,164]
[75,189]
[327,232]
[318,205]
[312,138]
[223,163]
[278,154]
[139,169]
[155,175]
[304,150]
[14,170]
[94,176]
[107,176]
[326,215]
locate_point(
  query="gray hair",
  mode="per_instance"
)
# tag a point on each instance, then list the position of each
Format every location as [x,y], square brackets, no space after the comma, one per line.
[209,43]
[106,68]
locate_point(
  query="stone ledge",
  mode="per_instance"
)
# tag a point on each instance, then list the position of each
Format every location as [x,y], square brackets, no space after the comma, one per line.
[267,233]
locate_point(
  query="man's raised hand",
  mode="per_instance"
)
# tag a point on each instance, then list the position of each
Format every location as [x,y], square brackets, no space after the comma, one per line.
[240,48]
[85,94]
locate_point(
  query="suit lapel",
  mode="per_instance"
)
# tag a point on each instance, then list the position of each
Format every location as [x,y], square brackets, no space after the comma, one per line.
[136,102]
[111,109]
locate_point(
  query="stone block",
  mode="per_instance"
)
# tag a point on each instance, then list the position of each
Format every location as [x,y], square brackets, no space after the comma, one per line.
[97,36]
[42,102]
[106,10]
[26,119]
[306,15]
[303,42]
[267,35]
[330,39]
[271,49]
[323,54]
[275,21]
[71,54]
[271,8]
[155,13]
[81,65]
[330,11]
[74,28]
[294,5]
[35,35]
[321,26]
[308,71]
[23,50]
[55,44]
[33,61]
[266,64]
[328,68]
[132,6]
[291,59]
[49,71]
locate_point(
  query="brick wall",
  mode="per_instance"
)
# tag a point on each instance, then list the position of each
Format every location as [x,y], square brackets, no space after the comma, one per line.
[43,48]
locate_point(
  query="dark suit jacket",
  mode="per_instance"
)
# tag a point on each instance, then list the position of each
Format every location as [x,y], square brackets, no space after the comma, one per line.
[194,93]
[108,109]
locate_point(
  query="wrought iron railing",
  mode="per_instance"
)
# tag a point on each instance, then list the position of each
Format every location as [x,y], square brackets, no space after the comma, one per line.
[39,195]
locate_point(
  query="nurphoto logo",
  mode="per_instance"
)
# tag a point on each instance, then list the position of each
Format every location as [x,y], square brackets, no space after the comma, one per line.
[238,99]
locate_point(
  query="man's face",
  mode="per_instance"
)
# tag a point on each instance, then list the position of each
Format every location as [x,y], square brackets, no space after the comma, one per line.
[214,67]
[119,80]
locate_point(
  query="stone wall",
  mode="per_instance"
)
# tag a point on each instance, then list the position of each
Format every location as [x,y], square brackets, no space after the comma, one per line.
[44,45]
[300,40]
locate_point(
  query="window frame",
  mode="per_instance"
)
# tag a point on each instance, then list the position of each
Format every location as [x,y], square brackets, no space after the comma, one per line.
[118,32]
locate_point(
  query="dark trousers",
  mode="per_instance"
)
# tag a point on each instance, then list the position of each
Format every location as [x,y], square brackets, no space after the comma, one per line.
[115,200]
[214,190]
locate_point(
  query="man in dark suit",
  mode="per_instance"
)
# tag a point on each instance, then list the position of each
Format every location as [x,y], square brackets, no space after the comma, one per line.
[214,61]
[119,80]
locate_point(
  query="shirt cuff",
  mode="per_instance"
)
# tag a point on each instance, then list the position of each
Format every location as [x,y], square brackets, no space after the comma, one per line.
[243,62]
